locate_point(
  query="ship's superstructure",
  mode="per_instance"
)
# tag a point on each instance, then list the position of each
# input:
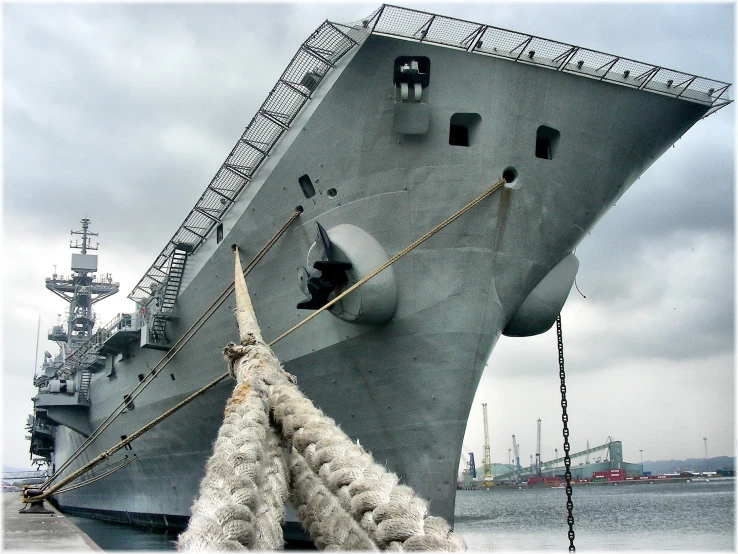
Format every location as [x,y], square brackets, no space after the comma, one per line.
[376,132]
[64,381]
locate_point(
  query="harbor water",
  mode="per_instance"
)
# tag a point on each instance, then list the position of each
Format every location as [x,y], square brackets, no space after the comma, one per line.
[695,516]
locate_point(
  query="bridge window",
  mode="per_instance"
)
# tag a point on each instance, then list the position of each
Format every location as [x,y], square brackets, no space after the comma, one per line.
[547,140]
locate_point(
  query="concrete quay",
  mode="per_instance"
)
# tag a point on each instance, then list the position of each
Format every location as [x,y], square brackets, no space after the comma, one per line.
[40,532]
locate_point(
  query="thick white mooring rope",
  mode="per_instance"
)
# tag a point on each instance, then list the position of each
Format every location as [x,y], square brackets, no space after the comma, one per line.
[343,498]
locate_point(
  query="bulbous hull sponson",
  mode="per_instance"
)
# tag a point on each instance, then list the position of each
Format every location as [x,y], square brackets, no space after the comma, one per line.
[404,389]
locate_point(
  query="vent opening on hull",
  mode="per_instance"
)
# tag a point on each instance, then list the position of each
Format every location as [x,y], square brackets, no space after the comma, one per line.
[140,377]
[332,193]
[172,376]
[219,233]
[547,139]
[128,401]
[128,446]
[307,186]
[463,129]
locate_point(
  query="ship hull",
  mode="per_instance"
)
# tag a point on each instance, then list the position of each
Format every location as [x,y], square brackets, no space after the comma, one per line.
[403,389]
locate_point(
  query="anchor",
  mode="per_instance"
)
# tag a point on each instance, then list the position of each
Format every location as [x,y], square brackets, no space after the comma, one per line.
[325,278]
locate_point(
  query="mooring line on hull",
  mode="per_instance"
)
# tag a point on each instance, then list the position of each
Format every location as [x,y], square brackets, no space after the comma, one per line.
[181,342]
[122,444]
[275,444]
[227,292]
[81,484]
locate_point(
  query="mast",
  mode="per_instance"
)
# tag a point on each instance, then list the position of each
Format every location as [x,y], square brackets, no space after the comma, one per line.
[81,290]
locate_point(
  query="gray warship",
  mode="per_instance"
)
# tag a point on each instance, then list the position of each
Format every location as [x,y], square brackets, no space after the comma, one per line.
[376,132]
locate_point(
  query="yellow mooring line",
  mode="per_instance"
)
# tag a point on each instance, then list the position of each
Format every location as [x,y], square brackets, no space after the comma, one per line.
[396,257]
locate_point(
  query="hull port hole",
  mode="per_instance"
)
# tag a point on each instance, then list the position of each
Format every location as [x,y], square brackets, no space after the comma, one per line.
[463,129]
[547,140]
[510,174]
[307,186]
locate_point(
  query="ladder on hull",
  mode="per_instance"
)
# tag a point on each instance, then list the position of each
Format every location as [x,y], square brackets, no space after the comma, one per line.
[84,386]
[168,298]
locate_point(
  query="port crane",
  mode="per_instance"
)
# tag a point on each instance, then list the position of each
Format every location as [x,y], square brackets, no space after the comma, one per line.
[538,449]
[468,477]
[472,467]
[516,459]
[487,460]
[611,451]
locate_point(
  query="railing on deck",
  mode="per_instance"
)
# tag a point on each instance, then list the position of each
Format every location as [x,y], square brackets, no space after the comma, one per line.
[121,322]
[558,56]
[87,353]
[316,56]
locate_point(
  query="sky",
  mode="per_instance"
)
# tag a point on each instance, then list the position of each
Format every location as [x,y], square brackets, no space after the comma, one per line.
[123,112]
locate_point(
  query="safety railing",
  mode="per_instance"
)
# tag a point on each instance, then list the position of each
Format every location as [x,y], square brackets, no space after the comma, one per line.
[121,322]
[83,357]
[316,56]
[520,47]
[331,41]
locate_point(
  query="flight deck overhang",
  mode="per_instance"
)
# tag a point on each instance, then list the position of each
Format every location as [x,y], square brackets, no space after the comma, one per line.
[332,41]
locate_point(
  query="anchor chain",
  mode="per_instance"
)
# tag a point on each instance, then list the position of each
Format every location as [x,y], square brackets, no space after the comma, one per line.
[565,420]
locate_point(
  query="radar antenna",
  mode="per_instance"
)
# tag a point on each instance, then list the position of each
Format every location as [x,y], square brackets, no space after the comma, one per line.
[81,290]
